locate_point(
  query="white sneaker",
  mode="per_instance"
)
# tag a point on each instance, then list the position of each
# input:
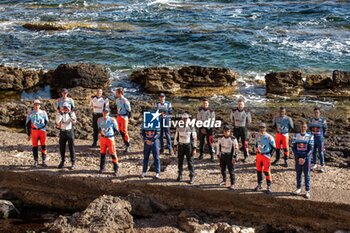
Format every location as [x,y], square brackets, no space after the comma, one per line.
[313,167]
[143,174]
[307,195]
[297,192]
[322,169]
[157,175]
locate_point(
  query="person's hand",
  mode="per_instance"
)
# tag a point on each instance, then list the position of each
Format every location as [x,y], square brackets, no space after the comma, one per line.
[148,142]
[175,150]
[28,138]
[301,161]
[194,152]
[218,155]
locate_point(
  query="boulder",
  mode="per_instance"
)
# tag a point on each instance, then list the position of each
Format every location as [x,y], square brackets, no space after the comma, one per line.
[191,224]
[18,79]
[143,206]
[7,210]
[105,214]
[288,83]
[175,81]
[318,81]
[91,76]
[341,79]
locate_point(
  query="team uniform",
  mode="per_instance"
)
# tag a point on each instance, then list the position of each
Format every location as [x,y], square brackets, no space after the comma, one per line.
[65,123]
[265,145]
[206,133]
[98,104]
[318,128]
[241,120]
[165,108]
[36,123]
[186,141]
[283,126]
[153,136]
[108,130]
[123,111]
[60,102]
[227,150]
[302,148]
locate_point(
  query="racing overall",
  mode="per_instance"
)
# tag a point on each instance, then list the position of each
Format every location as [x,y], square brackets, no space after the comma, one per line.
[123,112]
[227,151]
[60,101]
[153,136]
[241,119]
[206,133]
[166,109]
[318,128]
[283,126]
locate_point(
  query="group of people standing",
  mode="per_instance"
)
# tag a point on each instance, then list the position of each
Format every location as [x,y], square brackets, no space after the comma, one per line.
[305,145]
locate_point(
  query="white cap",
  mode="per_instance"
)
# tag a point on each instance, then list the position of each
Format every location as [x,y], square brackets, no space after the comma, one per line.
[37,101]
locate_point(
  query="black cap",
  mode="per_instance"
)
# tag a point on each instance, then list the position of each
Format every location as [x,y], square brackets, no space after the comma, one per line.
[226,127]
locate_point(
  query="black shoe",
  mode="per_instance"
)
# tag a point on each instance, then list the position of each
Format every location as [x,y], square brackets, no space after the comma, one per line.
[245,159]
[115,174]
[101,171]
[200,157]
[61,165]
[179,178]
[274,162]
[35,164]
[94,145]
[212,159]
[171,152]
[257,188]
[44,164]
[127,150]
[191,180]
[285,163]
[161,151]
[268,190]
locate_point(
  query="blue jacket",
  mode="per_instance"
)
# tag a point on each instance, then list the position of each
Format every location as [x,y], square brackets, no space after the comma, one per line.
[302,145]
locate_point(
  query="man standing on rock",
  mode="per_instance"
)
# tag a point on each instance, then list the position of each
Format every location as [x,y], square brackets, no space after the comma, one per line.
[185,143]
[150,138]
[283,125]
[302,149]
[264,147]
[98,103]
[64,99]
[108,128]
[205,114]
[123,116]
[165,109]
[241,119]
[318,128]
[227,152]
[65,121]
[36,123]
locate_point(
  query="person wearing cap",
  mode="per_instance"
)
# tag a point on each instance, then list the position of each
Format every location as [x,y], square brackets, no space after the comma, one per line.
[64,99]
[65,121]
[185,144]
[165,109]
[227,148]
[150,138]
[241,119]
[318,127]
[123,116]
[97,103]
[283,125]
[204,114]
[302,145]
[264,147]
[36,123]
[108,128]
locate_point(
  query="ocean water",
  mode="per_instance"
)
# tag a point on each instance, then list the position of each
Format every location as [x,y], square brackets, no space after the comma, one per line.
[252,37]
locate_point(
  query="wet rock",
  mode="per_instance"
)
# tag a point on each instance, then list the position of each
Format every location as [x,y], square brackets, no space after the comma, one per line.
[105,214]
[7,210]
[284,83]
[18,79]
[318,81]
[175,81]
[341,79]
[91,76]
[61,26]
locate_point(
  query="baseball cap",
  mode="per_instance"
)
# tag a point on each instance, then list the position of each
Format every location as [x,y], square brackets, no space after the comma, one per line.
[226,127]
[64,90]
[37,101]
[66,105]
[106,110]
[161,95]
[262,125]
